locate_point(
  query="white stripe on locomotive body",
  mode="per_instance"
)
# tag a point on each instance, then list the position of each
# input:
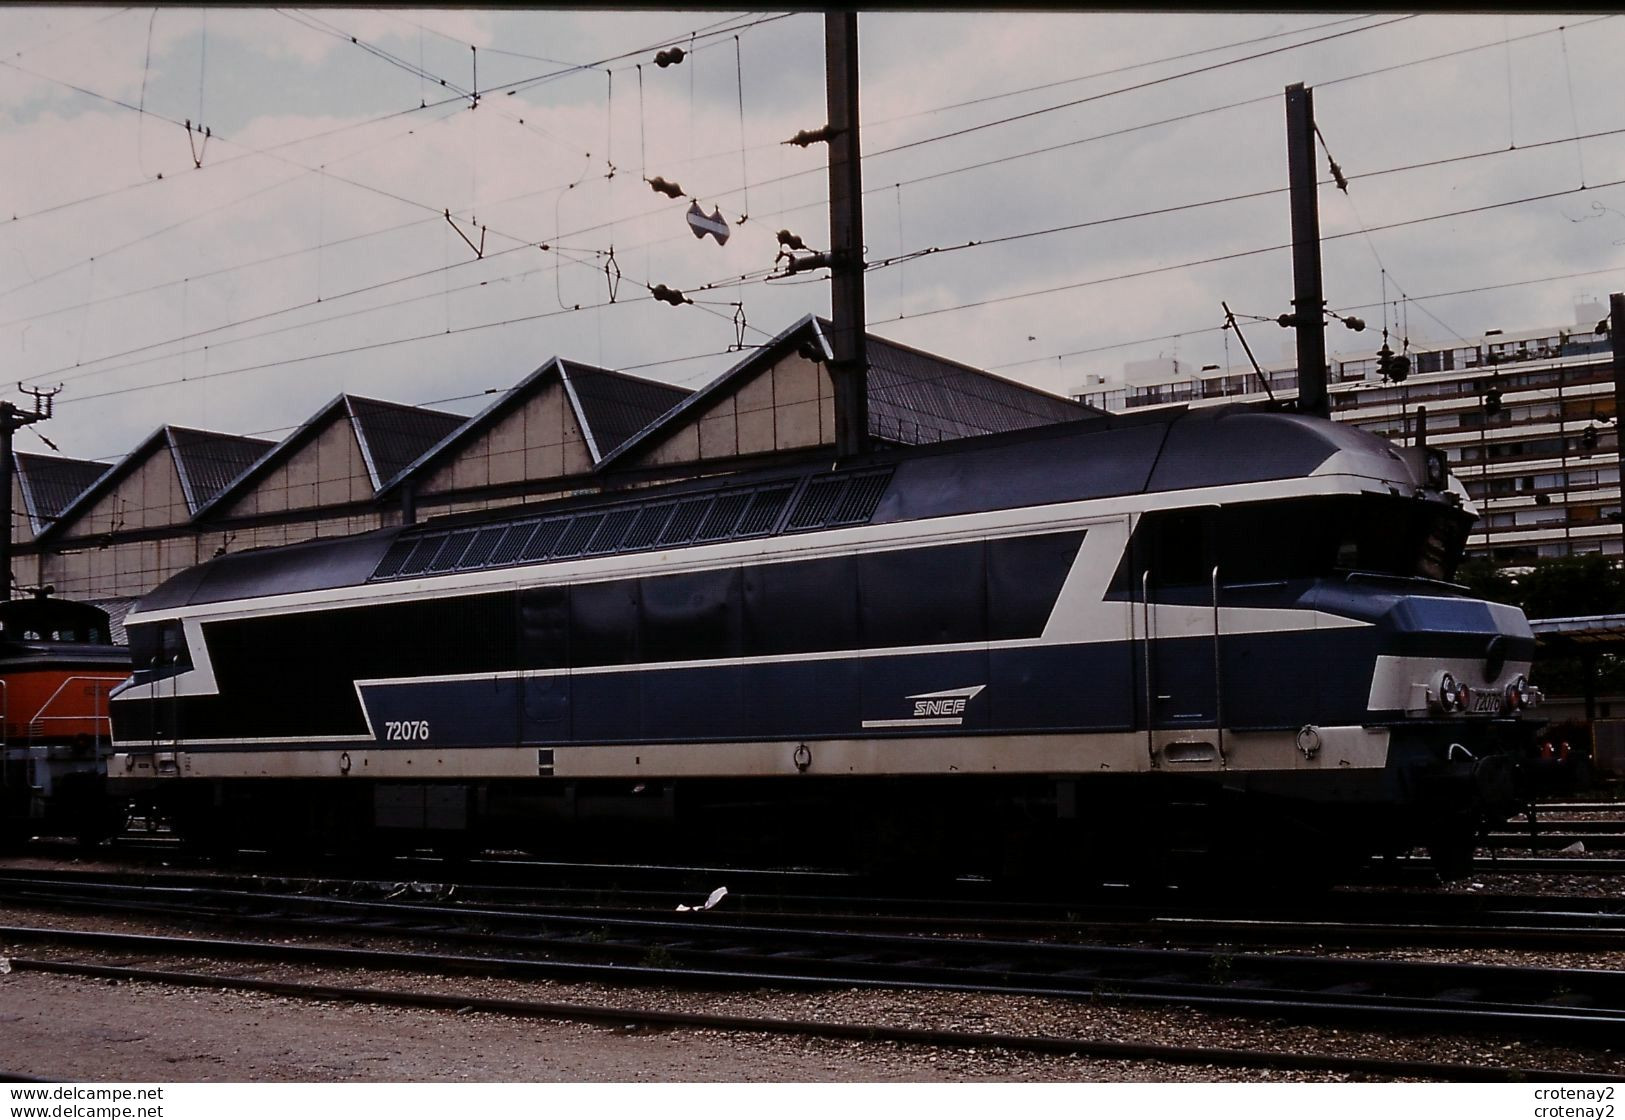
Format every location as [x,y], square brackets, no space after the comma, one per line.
[1081,614]
[1343,750]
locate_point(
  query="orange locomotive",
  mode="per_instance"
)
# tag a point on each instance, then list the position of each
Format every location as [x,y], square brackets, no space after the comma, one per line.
[57,665]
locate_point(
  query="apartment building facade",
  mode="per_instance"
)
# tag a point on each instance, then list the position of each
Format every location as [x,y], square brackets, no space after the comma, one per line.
[1527,421]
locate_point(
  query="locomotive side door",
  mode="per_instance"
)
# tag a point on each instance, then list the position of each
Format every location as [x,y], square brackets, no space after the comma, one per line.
[170,657]
[544,657]
[1176,619]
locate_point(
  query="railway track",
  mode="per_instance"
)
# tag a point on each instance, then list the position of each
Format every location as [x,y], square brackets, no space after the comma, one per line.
[694,950]
[624,1016]
[1555,825]
[1353,919]
[1591,838]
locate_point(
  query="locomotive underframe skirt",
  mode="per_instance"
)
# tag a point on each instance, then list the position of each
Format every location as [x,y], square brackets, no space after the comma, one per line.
[1183,751]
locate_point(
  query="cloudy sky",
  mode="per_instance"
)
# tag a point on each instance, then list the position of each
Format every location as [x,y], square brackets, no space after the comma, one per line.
[237,278]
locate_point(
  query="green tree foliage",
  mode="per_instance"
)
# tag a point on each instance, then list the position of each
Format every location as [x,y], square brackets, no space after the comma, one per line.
[1567,586]
[1486,581]
[1560,587]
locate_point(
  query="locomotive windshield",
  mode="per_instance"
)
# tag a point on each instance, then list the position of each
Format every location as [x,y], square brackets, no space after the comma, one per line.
[1307,537]
[1295,538]
[158,649]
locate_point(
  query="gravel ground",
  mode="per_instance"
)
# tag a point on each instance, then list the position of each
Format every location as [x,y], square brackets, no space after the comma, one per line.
[67,1027]
[1486,880]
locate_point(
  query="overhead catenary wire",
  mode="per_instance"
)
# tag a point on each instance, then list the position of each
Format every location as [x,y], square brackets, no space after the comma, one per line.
[380,191]
[159,232]
[1269,98]
[274,257]
[351,350]
[1148,84]
[744,172]
[1103,348]
[141,103]
[321,26]
[1574,112]
[342,179]
[479,394]
[546,315]
[1385,275]
[719,30]
[1506,43]
[523,83]
[1272,97]
[202,61]
[1440,162]
[917,254]
[777,179]
[338,129]
[1239,254]
[70,32]
[1114,70]
[191,217]
[307,324]
[973,244]
[1413,299]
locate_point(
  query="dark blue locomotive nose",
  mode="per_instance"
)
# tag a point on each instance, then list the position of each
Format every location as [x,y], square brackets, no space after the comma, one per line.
[1412,623]
[1427,625]
[1377,667]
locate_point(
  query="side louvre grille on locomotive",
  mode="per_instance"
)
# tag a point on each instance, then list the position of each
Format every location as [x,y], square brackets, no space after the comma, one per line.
[450,553]
[513,542]
[817,503]
[393,559]
[420,556]
[541,543]
[766,507]
[722,517]
[646,529]
[613,530]
[684,521]
[826,501]
[576,537]
[485,542]
[839,500]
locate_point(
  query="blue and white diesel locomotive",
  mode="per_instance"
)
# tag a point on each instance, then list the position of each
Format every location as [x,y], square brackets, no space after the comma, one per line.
[1224,629]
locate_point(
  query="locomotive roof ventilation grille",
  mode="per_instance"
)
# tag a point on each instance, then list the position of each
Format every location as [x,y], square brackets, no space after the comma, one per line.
[736,513]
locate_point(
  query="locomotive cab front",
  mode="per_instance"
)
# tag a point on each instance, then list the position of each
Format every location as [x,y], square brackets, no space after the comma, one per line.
[58,667]
[1334,615]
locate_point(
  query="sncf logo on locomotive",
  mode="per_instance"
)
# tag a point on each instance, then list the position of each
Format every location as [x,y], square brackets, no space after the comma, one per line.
[936,709]
[950,703]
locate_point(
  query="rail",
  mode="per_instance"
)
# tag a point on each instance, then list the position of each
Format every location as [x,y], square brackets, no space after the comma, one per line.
[1588,1004]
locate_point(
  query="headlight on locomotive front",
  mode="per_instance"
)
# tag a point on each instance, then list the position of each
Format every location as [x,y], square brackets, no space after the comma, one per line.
[1452,696]
[1521,695]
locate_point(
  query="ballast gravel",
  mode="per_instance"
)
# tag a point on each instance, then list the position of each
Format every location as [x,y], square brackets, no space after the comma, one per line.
[63,1027]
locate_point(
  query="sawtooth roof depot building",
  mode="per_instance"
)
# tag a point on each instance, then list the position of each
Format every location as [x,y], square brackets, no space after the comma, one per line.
[1526,420]
[109,533]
